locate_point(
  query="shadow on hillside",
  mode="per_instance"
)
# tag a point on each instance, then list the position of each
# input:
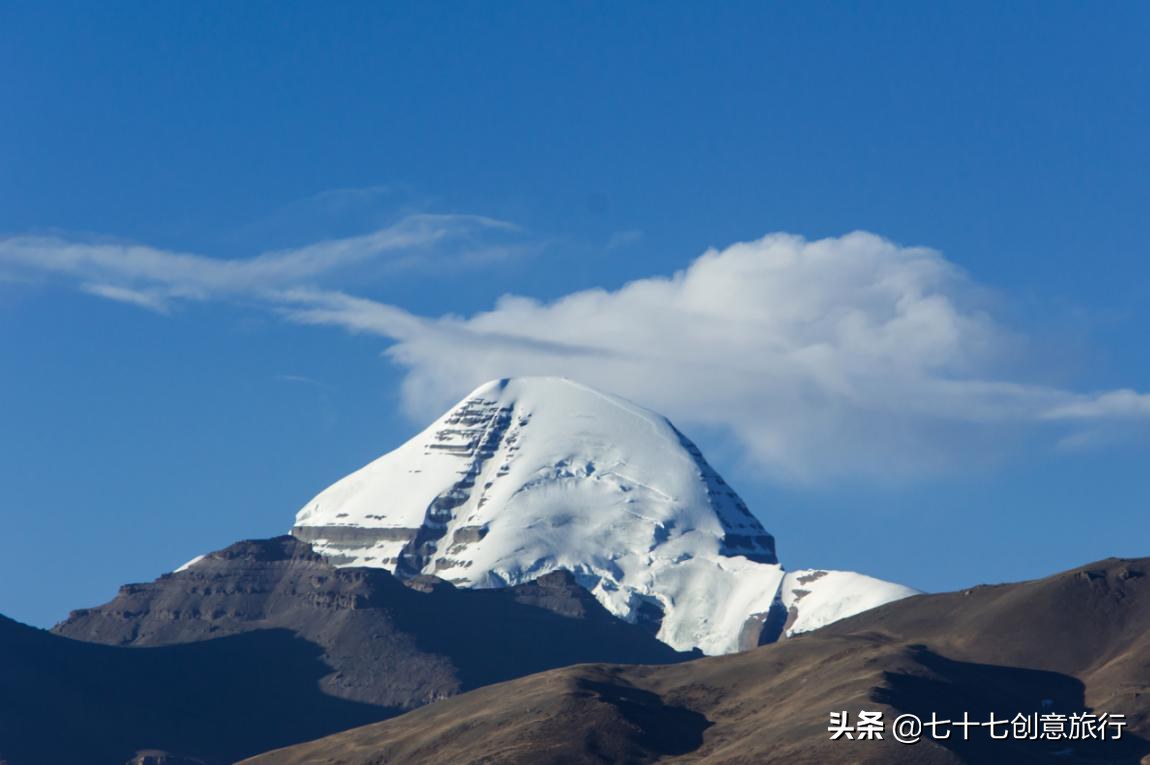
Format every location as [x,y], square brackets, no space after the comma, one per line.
[65,701]
[520,638]
[949,688]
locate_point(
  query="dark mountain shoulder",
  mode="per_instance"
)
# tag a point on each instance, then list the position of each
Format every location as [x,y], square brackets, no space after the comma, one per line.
[64,701]
[387,643]
[1071,643]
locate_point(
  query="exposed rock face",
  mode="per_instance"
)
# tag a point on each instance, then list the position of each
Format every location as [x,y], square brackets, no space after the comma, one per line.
[1073,643]
[763,628]
[386,644]
[531,475]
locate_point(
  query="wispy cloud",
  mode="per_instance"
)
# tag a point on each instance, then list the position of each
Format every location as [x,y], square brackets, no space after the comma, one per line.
[302,380]
[622,239]
[150,301]
[1118,404]
[154,278]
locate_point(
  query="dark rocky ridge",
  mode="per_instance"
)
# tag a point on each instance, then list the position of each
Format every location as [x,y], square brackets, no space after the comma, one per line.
[265,644]
[1077,641]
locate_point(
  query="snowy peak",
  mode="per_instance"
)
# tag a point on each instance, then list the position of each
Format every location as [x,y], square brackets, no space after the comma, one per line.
[529,475]
[511,443]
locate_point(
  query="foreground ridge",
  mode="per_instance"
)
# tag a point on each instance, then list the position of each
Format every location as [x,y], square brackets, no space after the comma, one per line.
[1072,644]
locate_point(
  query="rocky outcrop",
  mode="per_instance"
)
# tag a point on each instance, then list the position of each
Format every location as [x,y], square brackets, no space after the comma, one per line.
[763,628]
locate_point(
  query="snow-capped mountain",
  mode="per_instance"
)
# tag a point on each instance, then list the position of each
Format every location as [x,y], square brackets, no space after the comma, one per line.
[529,475]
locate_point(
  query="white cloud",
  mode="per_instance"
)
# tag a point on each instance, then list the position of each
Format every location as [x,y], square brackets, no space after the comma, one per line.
[844,357]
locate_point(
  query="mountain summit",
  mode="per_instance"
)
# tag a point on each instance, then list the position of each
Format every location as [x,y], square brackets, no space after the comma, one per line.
[529,475]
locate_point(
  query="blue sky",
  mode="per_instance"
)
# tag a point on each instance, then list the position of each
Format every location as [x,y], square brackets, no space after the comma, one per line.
[245,248]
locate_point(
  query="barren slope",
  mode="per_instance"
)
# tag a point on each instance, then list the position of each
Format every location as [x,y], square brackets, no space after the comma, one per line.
[1076,640]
